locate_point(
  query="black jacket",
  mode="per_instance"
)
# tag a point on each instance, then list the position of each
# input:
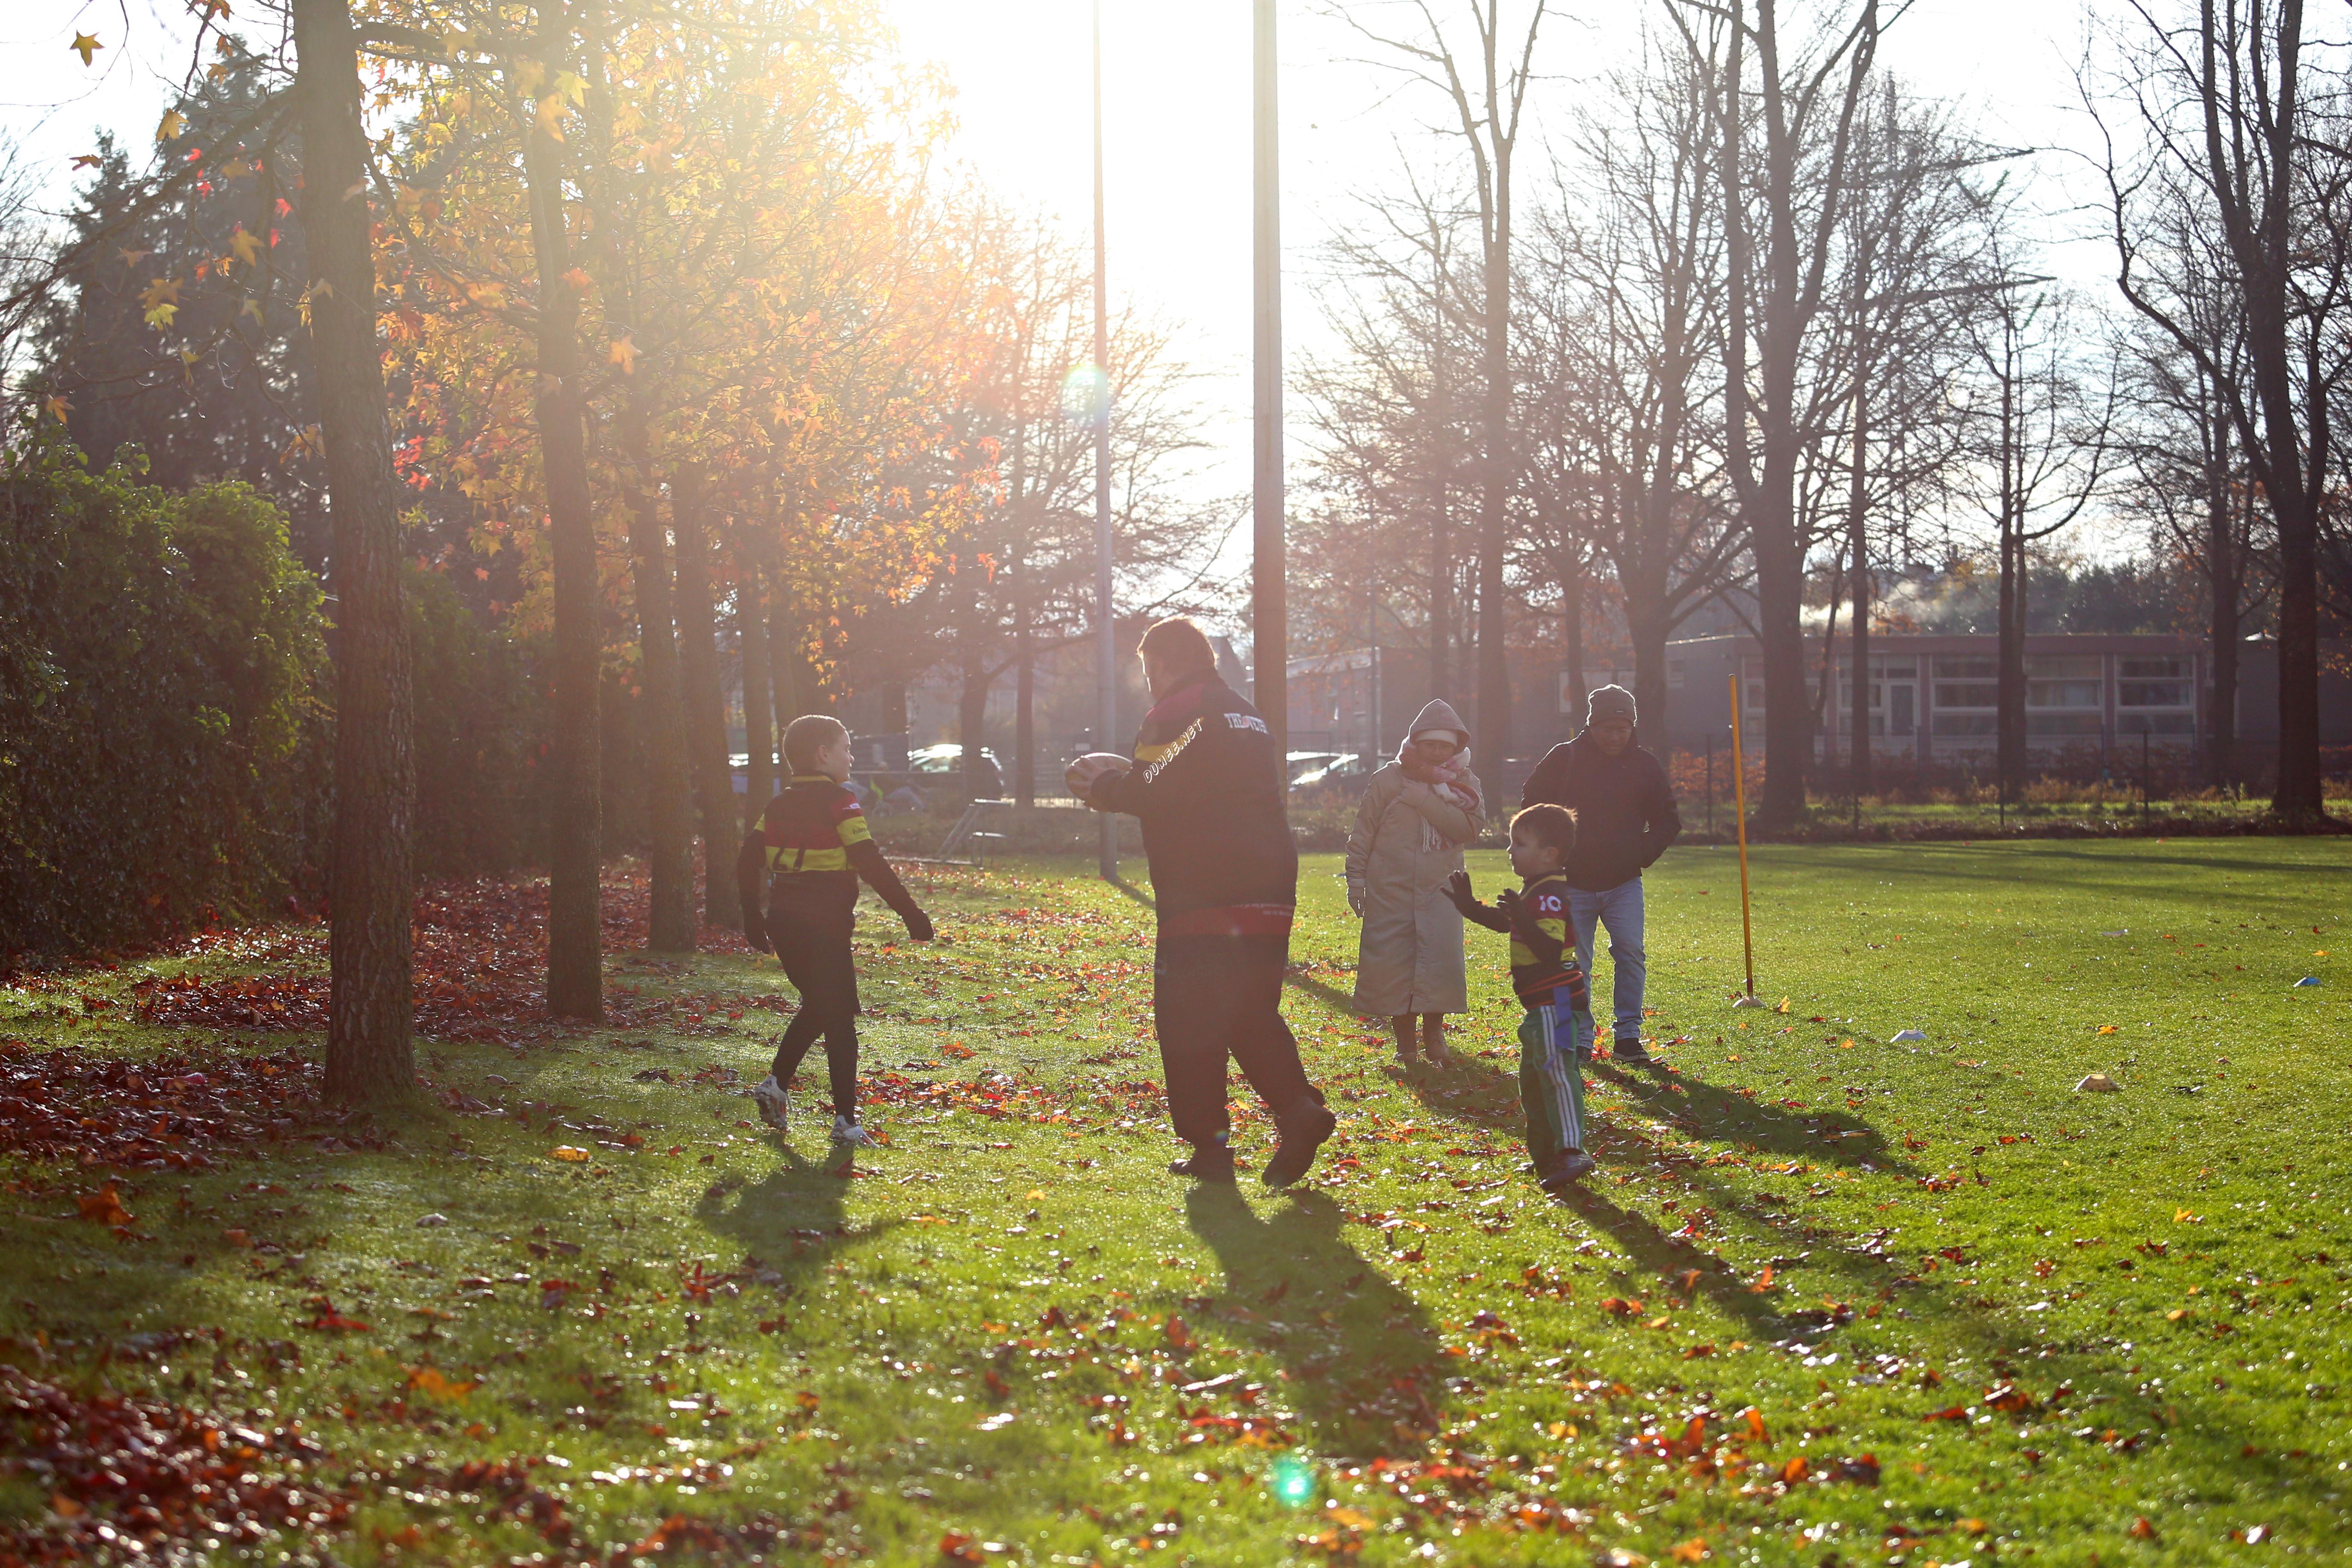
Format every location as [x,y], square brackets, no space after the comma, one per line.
[1206,787]
[1625,806]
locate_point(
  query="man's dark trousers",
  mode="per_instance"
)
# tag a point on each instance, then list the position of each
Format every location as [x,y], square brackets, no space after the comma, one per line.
[1213,996]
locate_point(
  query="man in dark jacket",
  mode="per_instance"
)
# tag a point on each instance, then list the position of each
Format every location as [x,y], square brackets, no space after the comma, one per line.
[1625,818]
[1225,877]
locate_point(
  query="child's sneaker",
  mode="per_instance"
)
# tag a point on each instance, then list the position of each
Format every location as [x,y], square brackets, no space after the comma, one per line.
[1630,1052]
[849,1137]
[775,1106]
[1574,1165]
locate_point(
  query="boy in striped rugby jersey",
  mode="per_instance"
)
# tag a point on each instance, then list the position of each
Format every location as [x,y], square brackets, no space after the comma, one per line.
[808,849]
[1549,984]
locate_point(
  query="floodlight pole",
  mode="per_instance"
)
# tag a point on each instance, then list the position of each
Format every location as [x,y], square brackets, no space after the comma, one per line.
[1105,629]
[1269,607]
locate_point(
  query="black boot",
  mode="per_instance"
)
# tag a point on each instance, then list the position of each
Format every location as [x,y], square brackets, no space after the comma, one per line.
[1301,1133]
[1632,1054]
[1208,1162]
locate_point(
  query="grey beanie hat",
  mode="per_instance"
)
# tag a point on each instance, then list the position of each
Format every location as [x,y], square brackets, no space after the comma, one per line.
[1610,702]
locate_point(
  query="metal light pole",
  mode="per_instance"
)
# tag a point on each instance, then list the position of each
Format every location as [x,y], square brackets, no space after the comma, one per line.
[1106,633]
[1269,608]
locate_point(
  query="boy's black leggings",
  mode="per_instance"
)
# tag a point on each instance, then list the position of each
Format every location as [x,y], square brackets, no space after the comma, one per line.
[814,947]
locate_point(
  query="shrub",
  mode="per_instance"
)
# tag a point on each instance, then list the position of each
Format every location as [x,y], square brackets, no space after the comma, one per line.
[162,660]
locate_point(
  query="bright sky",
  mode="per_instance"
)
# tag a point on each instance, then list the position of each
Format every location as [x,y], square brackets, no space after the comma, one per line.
[1177,125]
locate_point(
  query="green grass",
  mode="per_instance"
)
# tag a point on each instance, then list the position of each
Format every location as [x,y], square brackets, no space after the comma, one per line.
[2001,1318]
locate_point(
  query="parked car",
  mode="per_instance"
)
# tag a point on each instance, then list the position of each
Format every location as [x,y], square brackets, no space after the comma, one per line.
[1341,768]
[943,765]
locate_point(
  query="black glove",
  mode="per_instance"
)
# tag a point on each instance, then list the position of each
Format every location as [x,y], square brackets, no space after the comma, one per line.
[918,926]
[1457,888]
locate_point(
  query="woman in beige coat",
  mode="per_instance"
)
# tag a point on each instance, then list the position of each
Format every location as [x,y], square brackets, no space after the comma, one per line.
[1417,813]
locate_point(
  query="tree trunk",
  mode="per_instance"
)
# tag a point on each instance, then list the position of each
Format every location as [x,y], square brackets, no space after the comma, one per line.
[1646,628]
[2009,720]
[794,695]
[1858,743]
[1571,596]
[371,997]
[752,638]
[669,806]
[706,723]
[575,982]
[1494,720]
[1025,698]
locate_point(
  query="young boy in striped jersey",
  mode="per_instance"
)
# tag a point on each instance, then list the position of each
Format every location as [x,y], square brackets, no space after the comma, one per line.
[808,849]
[1544,973]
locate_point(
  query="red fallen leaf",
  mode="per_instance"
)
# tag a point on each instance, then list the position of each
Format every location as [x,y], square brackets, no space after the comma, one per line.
[1280,1289]
[771,1325]
[104,1207]
[1763,1281]
[1861,1471]
[1485,1319]
[1755,1419]
[330,1321]
[1178,1334]
[553,1294]
[1949,1413]
[1795,1471]
[996,1385]
[956,1049]
[958,1547]
[1054,1319]
[2141,1529]
[2008,1397]
[1622,1307]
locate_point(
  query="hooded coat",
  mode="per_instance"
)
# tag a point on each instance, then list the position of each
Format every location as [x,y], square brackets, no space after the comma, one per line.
[1407,841]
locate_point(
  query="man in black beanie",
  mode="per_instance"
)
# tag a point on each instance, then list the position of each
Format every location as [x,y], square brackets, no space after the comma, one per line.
[1625,818]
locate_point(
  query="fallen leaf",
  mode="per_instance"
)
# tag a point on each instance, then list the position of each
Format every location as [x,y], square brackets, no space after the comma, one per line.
[103,1206]
[566,1151]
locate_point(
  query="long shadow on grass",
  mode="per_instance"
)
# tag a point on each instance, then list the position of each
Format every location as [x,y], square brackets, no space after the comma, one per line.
[1357,1378]
[1703,1109]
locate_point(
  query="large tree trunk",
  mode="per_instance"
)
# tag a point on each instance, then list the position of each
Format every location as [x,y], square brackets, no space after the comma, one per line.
[371,997]
[1646,628]
[668,807]
[1025,697]
[706,723]
[759,715]
[576,981]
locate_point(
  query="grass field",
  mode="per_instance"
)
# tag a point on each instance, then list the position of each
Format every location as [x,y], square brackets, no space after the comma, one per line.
[1829,1299]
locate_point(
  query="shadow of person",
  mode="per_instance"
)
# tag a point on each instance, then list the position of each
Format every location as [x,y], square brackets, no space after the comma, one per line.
[792,1222]
[1686,1268]
[1360,1356]
[1704,1110]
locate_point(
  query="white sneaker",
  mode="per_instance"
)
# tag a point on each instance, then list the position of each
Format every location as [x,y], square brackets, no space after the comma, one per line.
[775,1105]
[849,1137]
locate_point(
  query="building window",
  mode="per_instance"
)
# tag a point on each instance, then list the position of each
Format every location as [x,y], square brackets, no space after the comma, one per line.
[2155,696]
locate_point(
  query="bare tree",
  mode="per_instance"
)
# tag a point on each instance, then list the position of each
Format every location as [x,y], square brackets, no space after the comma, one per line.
[2041,447]
[2216,122]
[1624,326]
[1486,87]
[1785,150]
[2191,482]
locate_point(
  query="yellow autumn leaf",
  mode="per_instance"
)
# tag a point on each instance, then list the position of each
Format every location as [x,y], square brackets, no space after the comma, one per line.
[170,125]
[57,407]
[247,245]
[550,117]
[2106,1029]
[85,45]
[251,306]
[160,291]
[2182,1217]
[159,316]
[624,353]
[566,1151]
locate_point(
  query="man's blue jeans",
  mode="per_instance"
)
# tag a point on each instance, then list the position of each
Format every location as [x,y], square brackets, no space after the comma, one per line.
[1619,909]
